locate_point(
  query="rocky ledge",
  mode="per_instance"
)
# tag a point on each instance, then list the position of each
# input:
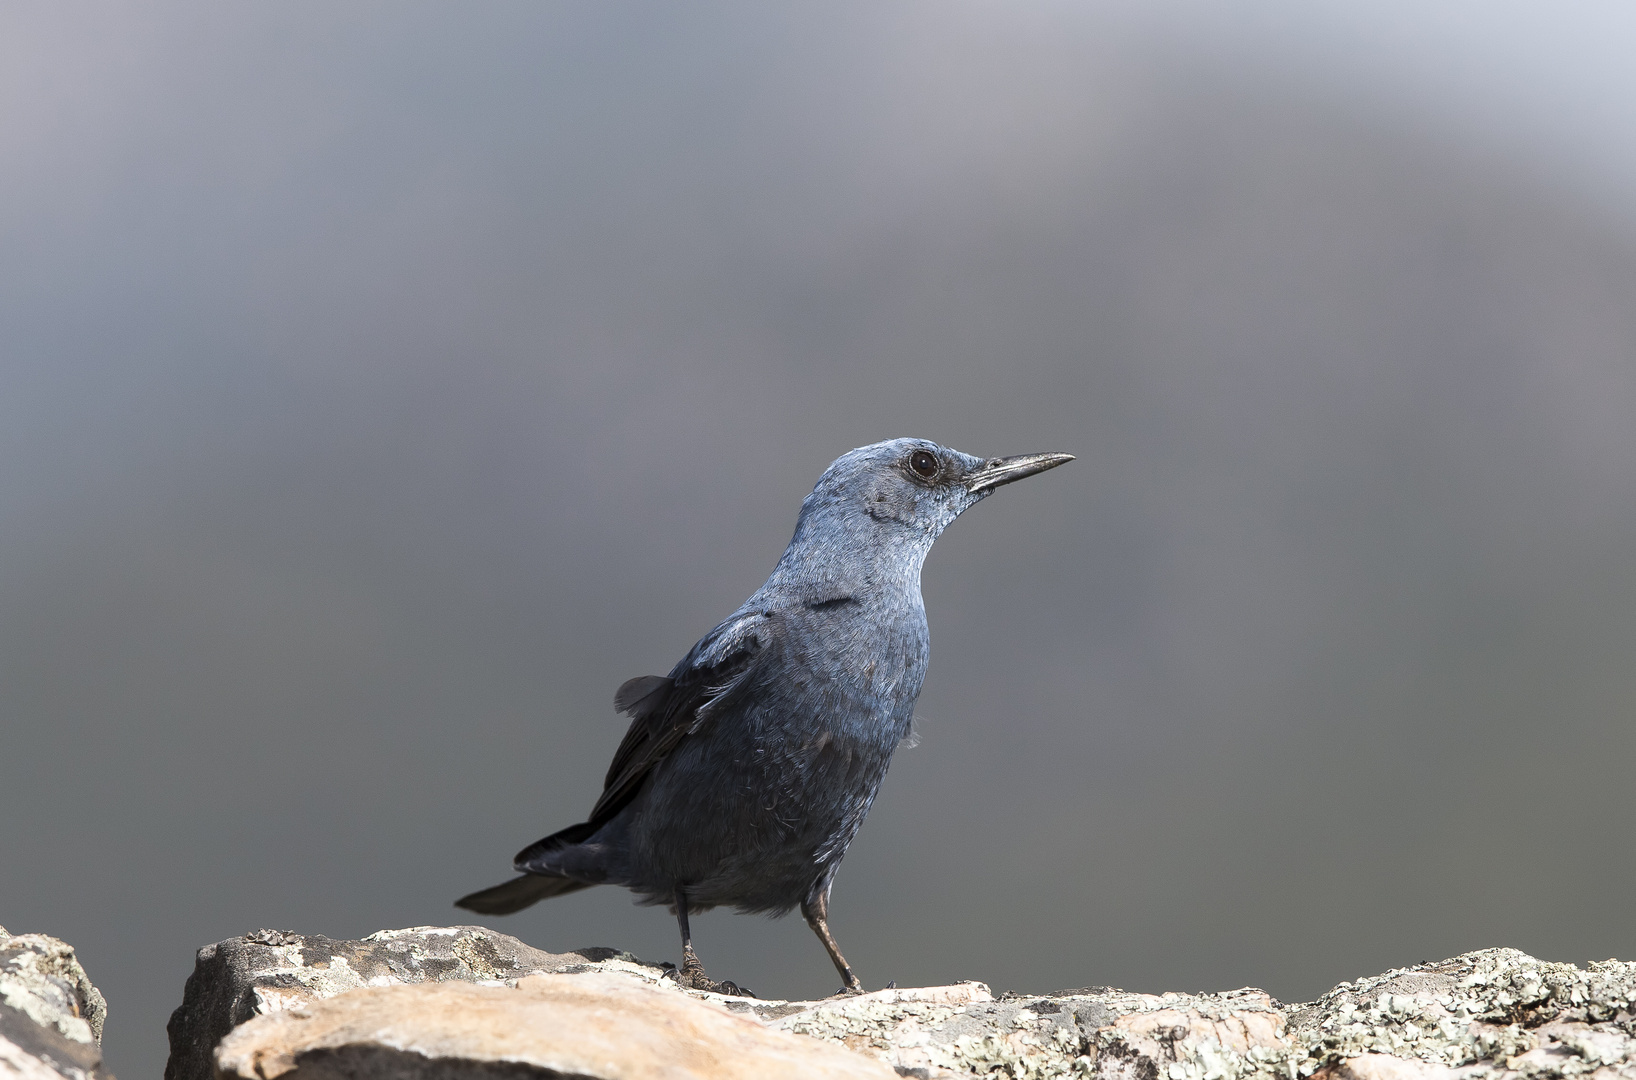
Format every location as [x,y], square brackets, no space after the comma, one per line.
[50,1014]
[462,1002]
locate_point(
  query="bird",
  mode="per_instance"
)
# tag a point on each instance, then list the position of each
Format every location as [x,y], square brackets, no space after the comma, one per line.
[747,771]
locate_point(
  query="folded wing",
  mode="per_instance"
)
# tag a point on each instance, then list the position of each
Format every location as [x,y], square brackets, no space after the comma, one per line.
[665,710]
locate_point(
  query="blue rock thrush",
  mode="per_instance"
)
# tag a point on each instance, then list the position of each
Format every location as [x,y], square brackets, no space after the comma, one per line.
[748,769]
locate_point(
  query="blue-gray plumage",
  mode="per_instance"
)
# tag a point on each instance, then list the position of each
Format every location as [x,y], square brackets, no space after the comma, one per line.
[748,769]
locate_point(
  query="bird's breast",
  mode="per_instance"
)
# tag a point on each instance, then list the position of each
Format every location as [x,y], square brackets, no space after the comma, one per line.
[868,653]
[850,684]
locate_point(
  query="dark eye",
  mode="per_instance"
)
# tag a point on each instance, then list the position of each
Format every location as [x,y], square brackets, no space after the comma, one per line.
[924,464]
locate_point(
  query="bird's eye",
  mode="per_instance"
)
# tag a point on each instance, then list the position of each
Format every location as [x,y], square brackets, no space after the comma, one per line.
[924,464]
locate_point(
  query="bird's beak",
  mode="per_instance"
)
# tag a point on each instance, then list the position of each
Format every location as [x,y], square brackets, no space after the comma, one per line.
[997,471]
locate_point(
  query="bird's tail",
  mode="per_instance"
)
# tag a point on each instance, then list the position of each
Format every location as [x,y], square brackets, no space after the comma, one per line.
[541,882]
[518,893]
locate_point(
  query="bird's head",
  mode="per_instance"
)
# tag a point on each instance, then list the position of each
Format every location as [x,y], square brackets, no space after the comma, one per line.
[907,488]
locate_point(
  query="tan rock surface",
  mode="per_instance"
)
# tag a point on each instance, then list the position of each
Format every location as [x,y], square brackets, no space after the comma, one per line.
[594,1025]
[1384,1067]
[273,970]
[1497,1014]
[963,1031]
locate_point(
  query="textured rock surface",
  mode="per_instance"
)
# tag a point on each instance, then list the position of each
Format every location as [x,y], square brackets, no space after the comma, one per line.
[1492,1015]
[962,1030]
[602,1025]
[271,971]
[29,1051]
[41,977]
[50,1014]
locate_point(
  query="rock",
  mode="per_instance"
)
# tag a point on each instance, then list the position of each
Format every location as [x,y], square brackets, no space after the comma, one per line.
[1498,1014]
[30,1051]
[962,1031]
[1383,1067]
[1493,1015]
[41,977]
[271,971]
[50,1014]
[605,1026]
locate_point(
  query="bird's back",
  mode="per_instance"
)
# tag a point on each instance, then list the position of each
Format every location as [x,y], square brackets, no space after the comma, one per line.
[752,807]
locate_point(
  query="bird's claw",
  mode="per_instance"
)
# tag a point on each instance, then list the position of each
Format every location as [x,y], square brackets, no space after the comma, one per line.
[726,987]
[691,975]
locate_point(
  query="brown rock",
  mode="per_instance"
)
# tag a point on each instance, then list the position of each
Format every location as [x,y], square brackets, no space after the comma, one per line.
[594,1026]
[1167,1031]
[1138,1045]
[1383,1067]
[271,970]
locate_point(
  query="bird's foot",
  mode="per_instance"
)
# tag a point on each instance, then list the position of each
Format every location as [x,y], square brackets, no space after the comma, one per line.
[691,975]
[853,987]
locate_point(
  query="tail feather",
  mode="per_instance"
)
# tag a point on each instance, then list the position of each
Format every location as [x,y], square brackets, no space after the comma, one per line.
[518,893]
[540,882]
[529,857]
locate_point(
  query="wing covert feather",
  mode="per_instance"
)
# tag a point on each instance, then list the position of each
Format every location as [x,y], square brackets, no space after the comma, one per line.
[632,696]
[666,710]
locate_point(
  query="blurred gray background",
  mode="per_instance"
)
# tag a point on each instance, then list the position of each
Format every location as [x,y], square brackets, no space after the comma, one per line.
[383,384]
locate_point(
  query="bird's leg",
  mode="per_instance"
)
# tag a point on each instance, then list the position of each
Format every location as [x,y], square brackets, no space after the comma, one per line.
[815,909]
[692,974]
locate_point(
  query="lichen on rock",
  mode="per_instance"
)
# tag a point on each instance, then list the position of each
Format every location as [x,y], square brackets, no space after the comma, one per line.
[1110,1034]
[1498,1014]
[51,1015]
[41,977]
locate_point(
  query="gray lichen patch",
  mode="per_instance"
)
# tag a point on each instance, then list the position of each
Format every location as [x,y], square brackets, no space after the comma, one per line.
[42,978]
[1492,1015]
[1495,1013]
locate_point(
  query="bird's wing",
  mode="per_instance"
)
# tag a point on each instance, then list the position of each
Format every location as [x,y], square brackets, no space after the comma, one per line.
[639,696]
[664,710]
